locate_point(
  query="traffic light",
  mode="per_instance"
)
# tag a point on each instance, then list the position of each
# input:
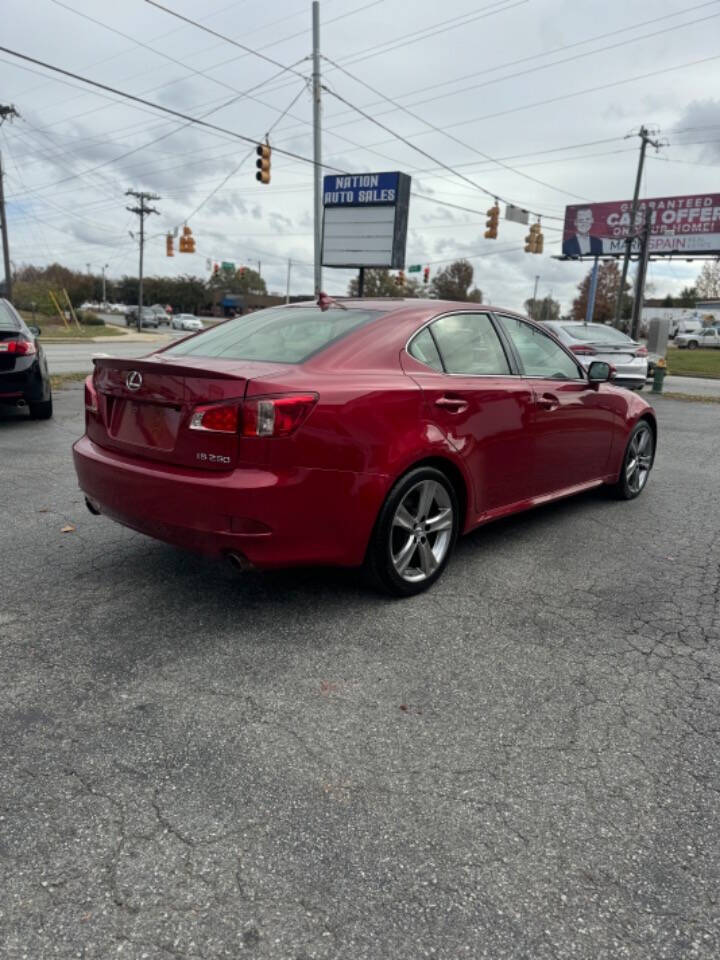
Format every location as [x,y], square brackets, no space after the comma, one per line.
[534,240]
[186,244]
[263,163]
[426,275]
[169,252]
[493,215]
[400,278]
[216,269]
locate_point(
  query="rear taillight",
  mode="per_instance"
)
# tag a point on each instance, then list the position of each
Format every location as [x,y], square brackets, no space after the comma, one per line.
[21,348]
[276,416]
[583,350]
[641,352]
[218,418]
[91,399]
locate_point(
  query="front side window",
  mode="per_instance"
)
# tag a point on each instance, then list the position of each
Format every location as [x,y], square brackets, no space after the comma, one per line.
[277,335]
[469,344]
[539,355]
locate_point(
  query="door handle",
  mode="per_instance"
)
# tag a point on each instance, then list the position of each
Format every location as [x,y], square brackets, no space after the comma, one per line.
[548,401]
[452,404]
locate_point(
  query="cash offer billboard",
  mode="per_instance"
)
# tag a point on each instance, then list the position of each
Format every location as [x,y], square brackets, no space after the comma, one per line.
[678,225]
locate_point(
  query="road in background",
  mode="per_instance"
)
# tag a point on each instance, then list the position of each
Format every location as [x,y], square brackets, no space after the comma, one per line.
[77,357]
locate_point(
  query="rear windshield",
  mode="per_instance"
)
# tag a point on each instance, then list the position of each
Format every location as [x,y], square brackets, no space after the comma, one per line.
[277,335]
[597,333]
[8,320]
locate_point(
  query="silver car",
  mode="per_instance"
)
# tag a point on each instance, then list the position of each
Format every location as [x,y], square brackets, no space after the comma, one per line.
[709,337]
[596,341]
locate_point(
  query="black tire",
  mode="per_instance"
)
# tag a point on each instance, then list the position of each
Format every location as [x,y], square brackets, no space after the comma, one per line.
[692,344]
[42,410]
[629,487]
[379,564]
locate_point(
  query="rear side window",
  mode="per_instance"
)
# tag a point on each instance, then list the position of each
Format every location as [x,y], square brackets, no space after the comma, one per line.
[468,344]
[277,335]
[423,349]
[8,320]
[597,333]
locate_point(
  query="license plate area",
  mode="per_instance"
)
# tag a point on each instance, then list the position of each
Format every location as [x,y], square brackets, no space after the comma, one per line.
[148,425]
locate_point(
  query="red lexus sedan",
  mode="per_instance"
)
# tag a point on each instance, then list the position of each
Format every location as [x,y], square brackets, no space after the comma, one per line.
[356,432]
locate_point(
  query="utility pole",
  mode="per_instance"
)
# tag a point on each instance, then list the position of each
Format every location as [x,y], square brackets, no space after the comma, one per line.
[142,211]
[645,139]
[6,113]
[287,287]
[317,146]
[104,296]
[640,279]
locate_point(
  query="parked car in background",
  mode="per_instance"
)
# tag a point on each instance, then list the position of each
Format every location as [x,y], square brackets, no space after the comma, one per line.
[186,321]
[24,377]
[708,337]
[160,312]
[596,341]
[354,433]
[148,318]
[686,325]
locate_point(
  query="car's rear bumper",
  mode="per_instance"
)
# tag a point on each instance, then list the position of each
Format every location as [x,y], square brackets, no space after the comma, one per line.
[273,518]
[25,382]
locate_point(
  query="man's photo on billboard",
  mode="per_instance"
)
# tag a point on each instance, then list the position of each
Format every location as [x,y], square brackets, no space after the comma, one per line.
[583,243]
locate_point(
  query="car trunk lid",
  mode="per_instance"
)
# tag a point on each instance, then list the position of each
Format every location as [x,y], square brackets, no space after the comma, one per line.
[145,407]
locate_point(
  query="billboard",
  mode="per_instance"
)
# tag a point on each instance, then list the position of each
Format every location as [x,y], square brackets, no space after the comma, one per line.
[679,225]
[365,217]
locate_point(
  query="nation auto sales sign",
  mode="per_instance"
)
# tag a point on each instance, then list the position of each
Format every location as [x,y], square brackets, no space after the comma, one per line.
[678,225]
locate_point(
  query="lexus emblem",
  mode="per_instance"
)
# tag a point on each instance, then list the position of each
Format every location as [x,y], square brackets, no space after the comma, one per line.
[133,381]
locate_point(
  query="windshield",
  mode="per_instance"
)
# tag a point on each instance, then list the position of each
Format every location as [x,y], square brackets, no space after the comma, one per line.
[276,335]
[597,333]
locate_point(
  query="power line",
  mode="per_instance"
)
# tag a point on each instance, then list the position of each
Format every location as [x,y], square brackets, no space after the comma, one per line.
[544,54]
[451,136]
[413,146]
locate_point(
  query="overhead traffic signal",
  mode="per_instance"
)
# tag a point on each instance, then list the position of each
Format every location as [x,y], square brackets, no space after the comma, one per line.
[534,241]
[400,278]
[186,244]
[169,251]
[493,215]
[426,275]
[263,163]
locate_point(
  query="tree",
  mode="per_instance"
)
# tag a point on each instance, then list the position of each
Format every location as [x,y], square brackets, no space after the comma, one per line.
[545,309]
[688,296]
[454,283]
[605,296]
[708,283]
[243,281]
[668,301]
[382,283]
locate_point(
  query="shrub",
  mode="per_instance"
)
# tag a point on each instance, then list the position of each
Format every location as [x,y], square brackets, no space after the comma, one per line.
[89,319]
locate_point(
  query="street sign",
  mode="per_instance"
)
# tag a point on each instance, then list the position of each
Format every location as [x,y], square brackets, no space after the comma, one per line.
[678,225]
[227,266]
[365,220]
[516,214]
[415,268]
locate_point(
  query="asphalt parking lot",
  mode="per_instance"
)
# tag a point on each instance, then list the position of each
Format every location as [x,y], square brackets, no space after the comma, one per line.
[522,763]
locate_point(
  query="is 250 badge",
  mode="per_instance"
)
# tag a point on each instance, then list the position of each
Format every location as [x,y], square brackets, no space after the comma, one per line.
[212,458]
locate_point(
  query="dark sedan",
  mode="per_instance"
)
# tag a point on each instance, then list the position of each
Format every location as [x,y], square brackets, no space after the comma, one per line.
[24,377]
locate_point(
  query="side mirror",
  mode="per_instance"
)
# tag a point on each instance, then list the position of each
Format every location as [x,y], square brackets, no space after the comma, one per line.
[600,372]
[35,331]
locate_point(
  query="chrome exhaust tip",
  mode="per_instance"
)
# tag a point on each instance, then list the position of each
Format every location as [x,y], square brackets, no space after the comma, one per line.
[20,403]
[92,507]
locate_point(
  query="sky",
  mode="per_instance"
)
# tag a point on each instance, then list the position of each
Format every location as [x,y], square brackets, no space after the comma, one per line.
[537,102]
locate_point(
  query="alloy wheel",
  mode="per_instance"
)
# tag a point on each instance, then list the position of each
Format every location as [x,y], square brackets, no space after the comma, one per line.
[421,531]
[639,459]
